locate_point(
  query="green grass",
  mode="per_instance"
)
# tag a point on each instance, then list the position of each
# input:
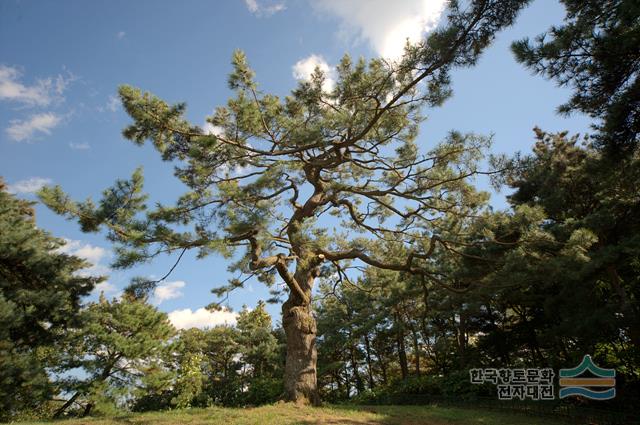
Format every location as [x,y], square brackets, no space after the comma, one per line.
[289,414]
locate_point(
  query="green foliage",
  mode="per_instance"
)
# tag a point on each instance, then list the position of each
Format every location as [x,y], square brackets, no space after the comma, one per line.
[425,389]
[190,381]
[263,391]
[206,366]
[40,293]
[258,345]
[229,366]
[120,348]
[592,208]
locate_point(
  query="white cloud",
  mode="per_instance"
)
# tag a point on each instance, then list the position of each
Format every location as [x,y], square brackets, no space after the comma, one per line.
[93,254]
[79,146]
[252,5]
[107,288]
[201,318]
[168,291]
[264,8]
[30,185]
[41,93]
[209,128]
[21,130]
[121,34]
[384,24]
[303,69]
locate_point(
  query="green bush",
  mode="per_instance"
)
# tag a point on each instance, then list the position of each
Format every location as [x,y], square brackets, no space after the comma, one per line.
[153,401]
[426,388]
[263,391]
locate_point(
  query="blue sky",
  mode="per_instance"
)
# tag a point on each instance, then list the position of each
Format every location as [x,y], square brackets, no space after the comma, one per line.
[61,63]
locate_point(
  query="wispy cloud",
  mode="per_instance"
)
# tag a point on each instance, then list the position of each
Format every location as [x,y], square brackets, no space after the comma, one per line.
[120,35]
[94,255]
[79,146]
[112,104]
[25,130]
[303,69]
[107,288]
[201,318]
[265,8]
[30,185]
[42,92]
[167,291]
[385,25]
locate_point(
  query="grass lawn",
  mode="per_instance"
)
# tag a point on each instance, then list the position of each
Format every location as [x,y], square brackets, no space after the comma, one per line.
[288,414]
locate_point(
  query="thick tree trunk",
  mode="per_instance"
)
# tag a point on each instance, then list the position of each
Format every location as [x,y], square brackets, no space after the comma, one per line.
[300,381]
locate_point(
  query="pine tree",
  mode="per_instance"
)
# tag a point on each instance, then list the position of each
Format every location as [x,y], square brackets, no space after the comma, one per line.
[275,167]
[40,295]
[259,347]
[120,347]
[592,209]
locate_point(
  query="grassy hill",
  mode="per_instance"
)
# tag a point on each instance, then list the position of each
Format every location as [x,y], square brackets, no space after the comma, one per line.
[287,414]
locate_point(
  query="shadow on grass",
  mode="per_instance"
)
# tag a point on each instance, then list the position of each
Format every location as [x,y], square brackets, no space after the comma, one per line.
[445,415]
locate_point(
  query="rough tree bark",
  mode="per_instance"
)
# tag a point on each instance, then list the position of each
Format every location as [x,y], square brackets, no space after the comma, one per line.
[300,369]
[300,380]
